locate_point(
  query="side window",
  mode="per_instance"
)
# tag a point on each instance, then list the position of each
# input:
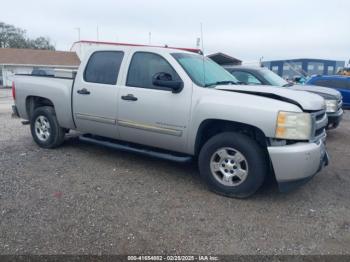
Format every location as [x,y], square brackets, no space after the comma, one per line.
[103,67]
[246,78]
[144,66]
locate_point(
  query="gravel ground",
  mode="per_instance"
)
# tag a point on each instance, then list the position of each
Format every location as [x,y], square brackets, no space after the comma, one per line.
[86,199]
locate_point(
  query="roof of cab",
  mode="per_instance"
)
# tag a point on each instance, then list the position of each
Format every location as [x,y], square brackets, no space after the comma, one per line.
[151,49]
[104,44]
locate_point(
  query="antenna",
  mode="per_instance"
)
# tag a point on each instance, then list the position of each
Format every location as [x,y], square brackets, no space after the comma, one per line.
[203,54]
[292,66]
[97,34]
[149,38]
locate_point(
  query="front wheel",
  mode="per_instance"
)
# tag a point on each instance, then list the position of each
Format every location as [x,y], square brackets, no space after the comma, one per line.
[232,164]
[45,129]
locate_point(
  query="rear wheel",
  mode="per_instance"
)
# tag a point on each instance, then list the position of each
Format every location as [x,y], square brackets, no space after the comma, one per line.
[233,164]
[45,129]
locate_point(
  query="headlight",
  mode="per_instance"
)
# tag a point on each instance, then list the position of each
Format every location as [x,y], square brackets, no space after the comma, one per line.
[293,126]
[331,106]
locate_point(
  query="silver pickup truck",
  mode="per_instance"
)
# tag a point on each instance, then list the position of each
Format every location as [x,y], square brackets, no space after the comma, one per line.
[176,103]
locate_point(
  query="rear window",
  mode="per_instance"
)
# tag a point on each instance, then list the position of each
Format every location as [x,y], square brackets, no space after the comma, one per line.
[103,67]
[334,83]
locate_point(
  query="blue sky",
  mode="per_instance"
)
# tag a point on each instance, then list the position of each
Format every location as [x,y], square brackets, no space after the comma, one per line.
[246,29]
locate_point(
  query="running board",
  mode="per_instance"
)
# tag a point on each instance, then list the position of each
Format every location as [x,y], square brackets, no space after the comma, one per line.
[130,148]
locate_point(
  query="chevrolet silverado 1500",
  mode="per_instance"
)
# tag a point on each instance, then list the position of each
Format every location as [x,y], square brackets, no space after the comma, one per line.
[177,103]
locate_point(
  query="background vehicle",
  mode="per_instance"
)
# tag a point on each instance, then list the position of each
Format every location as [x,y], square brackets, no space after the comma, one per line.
[340,83]
[264,76]
[43,72]
[299,80]
[345,71]
[176,104]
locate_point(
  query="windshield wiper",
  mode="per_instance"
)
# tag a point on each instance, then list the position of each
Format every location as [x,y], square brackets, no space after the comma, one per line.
[228,82]
[288,85]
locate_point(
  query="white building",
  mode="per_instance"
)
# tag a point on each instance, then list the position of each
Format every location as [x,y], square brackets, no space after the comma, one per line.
[23,61]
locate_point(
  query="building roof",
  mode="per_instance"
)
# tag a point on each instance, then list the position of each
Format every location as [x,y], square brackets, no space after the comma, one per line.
[223,59]
[303,59]
[15,56]
[194,50]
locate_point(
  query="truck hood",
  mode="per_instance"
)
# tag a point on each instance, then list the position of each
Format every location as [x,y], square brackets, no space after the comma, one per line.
[304,100]
[325,92]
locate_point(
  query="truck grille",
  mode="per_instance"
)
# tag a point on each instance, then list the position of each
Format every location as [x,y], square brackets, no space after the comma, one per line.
[340,103]
[320,122]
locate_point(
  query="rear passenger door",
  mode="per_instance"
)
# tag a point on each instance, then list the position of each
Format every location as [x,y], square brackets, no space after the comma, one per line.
[154,115]
[95,94]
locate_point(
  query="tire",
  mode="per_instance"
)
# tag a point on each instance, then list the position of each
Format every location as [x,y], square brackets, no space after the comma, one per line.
[233,164]
[45,129]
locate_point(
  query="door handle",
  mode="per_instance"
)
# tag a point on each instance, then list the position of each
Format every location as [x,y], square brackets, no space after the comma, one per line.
[129,97]
[83,91]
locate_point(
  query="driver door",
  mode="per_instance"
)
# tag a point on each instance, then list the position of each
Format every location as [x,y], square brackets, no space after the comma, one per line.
[149,114]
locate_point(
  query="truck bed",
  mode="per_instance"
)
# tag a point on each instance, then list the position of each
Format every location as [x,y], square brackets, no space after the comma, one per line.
[57,89]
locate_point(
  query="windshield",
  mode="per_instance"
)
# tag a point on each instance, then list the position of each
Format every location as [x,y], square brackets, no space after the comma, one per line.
[204,72]
[273,79]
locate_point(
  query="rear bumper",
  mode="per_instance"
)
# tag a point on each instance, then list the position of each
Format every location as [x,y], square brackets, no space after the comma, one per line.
[295,164]
[334,119]
[14,111]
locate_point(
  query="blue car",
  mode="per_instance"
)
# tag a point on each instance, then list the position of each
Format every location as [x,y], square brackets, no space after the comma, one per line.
[341,83]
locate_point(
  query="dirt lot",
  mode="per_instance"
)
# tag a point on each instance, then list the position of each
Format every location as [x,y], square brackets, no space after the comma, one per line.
[87,199]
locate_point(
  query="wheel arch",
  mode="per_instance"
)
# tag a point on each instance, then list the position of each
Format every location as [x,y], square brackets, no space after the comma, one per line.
[33,102]
[210,127]
[63,113]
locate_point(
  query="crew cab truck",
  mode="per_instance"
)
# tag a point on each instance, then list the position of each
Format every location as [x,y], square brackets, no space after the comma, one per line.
[179,103]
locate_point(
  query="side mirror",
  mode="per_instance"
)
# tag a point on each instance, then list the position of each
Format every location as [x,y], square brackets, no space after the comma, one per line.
[166,80]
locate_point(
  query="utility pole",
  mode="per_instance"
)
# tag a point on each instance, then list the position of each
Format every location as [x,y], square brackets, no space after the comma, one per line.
[198,42]
[260,61]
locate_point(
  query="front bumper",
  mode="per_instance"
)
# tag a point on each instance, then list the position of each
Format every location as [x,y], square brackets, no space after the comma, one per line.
[295,164]
[334,119]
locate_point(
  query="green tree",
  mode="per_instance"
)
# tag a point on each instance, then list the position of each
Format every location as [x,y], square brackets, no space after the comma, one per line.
[40,43]
[13,37]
